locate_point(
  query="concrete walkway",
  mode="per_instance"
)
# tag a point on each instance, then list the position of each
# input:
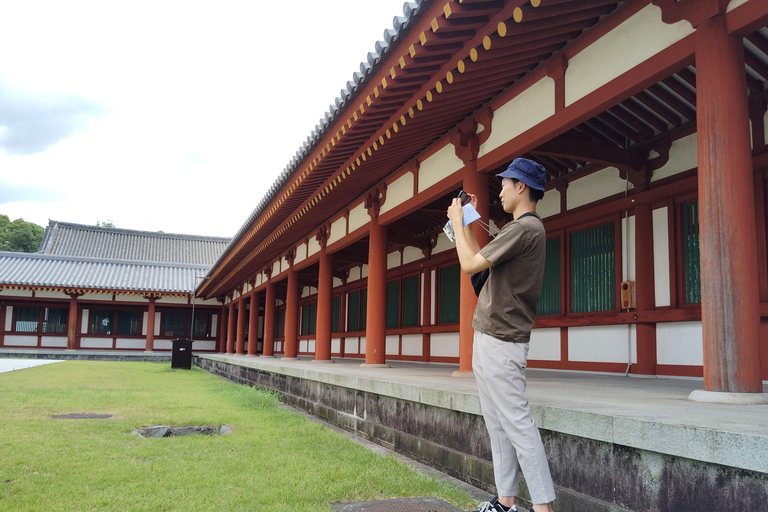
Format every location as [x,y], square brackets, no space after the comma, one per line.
[646,413]
[9,365]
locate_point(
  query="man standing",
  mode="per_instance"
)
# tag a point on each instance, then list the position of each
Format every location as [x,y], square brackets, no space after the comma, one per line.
[506,309]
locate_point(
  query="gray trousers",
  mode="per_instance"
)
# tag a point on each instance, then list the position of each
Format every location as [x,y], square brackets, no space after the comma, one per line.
[516,445]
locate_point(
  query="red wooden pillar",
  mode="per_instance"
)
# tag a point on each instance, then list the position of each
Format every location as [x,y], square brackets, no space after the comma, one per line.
[222,331]
[269,320]
[72,323]
[645,289]
[150,324]
[324,302]
[729,284]
[376,327]
[253,323]
[240,343]
[474,183]
[231,327]
[291,343]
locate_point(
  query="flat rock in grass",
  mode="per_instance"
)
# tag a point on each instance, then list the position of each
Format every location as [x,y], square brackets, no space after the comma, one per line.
[156,431]
[194,431]
[225,430]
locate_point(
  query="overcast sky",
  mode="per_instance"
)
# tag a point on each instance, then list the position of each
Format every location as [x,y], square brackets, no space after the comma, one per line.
[170,116]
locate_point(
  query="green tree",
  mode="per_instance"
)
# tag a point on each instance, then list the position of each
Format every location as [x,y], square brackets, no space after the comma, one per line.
[19,235]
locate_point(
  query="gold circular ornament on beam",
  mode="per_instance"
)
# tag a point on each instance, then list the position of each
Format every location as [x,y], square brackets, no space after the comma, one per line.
[517,14]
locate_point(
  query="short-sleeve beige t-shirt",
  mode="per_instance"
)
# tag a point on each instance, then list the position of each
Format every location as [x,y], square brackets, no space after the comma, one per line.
[506,306]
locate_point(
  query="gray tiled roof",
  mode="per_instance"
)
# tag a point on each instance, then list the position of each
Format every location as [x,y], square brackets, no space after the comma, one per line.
[46,271]
[67,239]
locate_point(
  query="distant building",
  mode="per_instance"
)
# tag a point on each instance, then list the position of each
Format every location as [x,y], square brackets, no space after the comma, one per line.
[92,287]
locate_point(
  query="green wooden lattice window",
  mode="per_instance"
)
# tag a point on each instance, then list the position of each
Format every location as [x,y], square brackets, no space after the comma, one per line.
[691,255]
[449,294]
[549,301]
[593,269]
[335,308]
[411,301]
[393,304]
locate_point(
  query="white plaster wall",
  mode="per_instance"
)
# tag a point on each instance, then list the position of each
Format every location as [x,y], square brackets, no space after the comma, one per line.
[364,271]
[276,268]
[603,344]
[411,254]
[351,345]
[392,346]
[393,260]
[398,192]
[313,246]
[595,186]
[208,302]
[144,322]
[96,296]
[628,248]
[736,3]
[302,345]
[301,253]
[53,341]
[362,344]
[8,318]
[545,344]
[413,344]
[549,204]
[311,345]
[173,300]
[163,345]
[204,345]
[620,50]
[438,166]
[433,292]
[337,282]
[521,113]
[126,343]
[96,343]
[259,279]
[661,257]
[354,274]
[84,323]
[43,294]
[157,323]
[16,293]
[214,324]
[679,343]
[444,344]
[335,345]
[443,244]
[682,157]
[338,230]
[23,341]
[129,297]
[358,217]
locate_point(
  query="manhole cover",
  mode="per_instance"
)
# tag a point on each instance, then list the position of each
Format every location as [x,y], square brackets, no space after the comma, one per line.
[398,505]
[81,416]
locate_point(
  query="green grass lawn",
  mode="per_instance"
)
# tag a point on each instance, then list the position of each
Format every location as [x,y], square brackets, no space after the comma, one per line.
[275,459]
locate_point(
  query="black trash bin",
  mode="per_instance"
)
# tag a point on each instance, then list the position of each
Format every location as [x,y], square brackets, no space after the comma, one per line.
[181,354]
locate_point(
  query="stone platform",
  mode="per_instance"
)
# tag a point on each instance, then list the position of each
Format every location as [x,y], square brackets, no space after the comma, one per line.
[615,443]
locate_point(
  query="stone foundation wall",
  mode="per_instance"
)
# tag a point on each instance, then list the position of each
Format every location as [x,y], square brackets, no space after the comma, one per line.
[591,475]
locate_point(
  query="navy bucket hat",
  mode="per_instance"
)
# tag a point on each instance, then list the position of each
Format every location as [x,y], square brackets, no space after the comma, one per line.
[529,172]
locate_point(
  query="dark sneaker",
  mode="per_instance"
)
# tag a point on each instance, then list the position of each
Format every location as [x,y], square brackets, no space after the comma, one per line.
[492,506]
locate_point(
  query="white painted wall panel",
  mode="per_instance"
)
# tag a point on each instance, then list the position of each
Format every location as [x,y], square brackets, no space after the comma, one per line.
[364,271]
[338,230]
[683,156]
[313,246]
[301,253]
[44,294]
[628,248]
[172,300]
[358,217]
[8,318]
[393,260]
[620,50]
[53,341]
[157,323]
[302,345]
[362,344]
[214,324]
[438,166]
[354,274]
[594,187]
[126,297]
[84,322]
[96,343]
[23,341]
[545,344]
[96,296]
[126,343]
[351,345]
[398,192]
[163,345]
[603,344]
[335,345]
[549,204]
[661,257]
[16,293]
[413,344]
[412,254]
[392,346]
[520,114]
[443,244]
[444,344]
[679,343]
[204,345]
